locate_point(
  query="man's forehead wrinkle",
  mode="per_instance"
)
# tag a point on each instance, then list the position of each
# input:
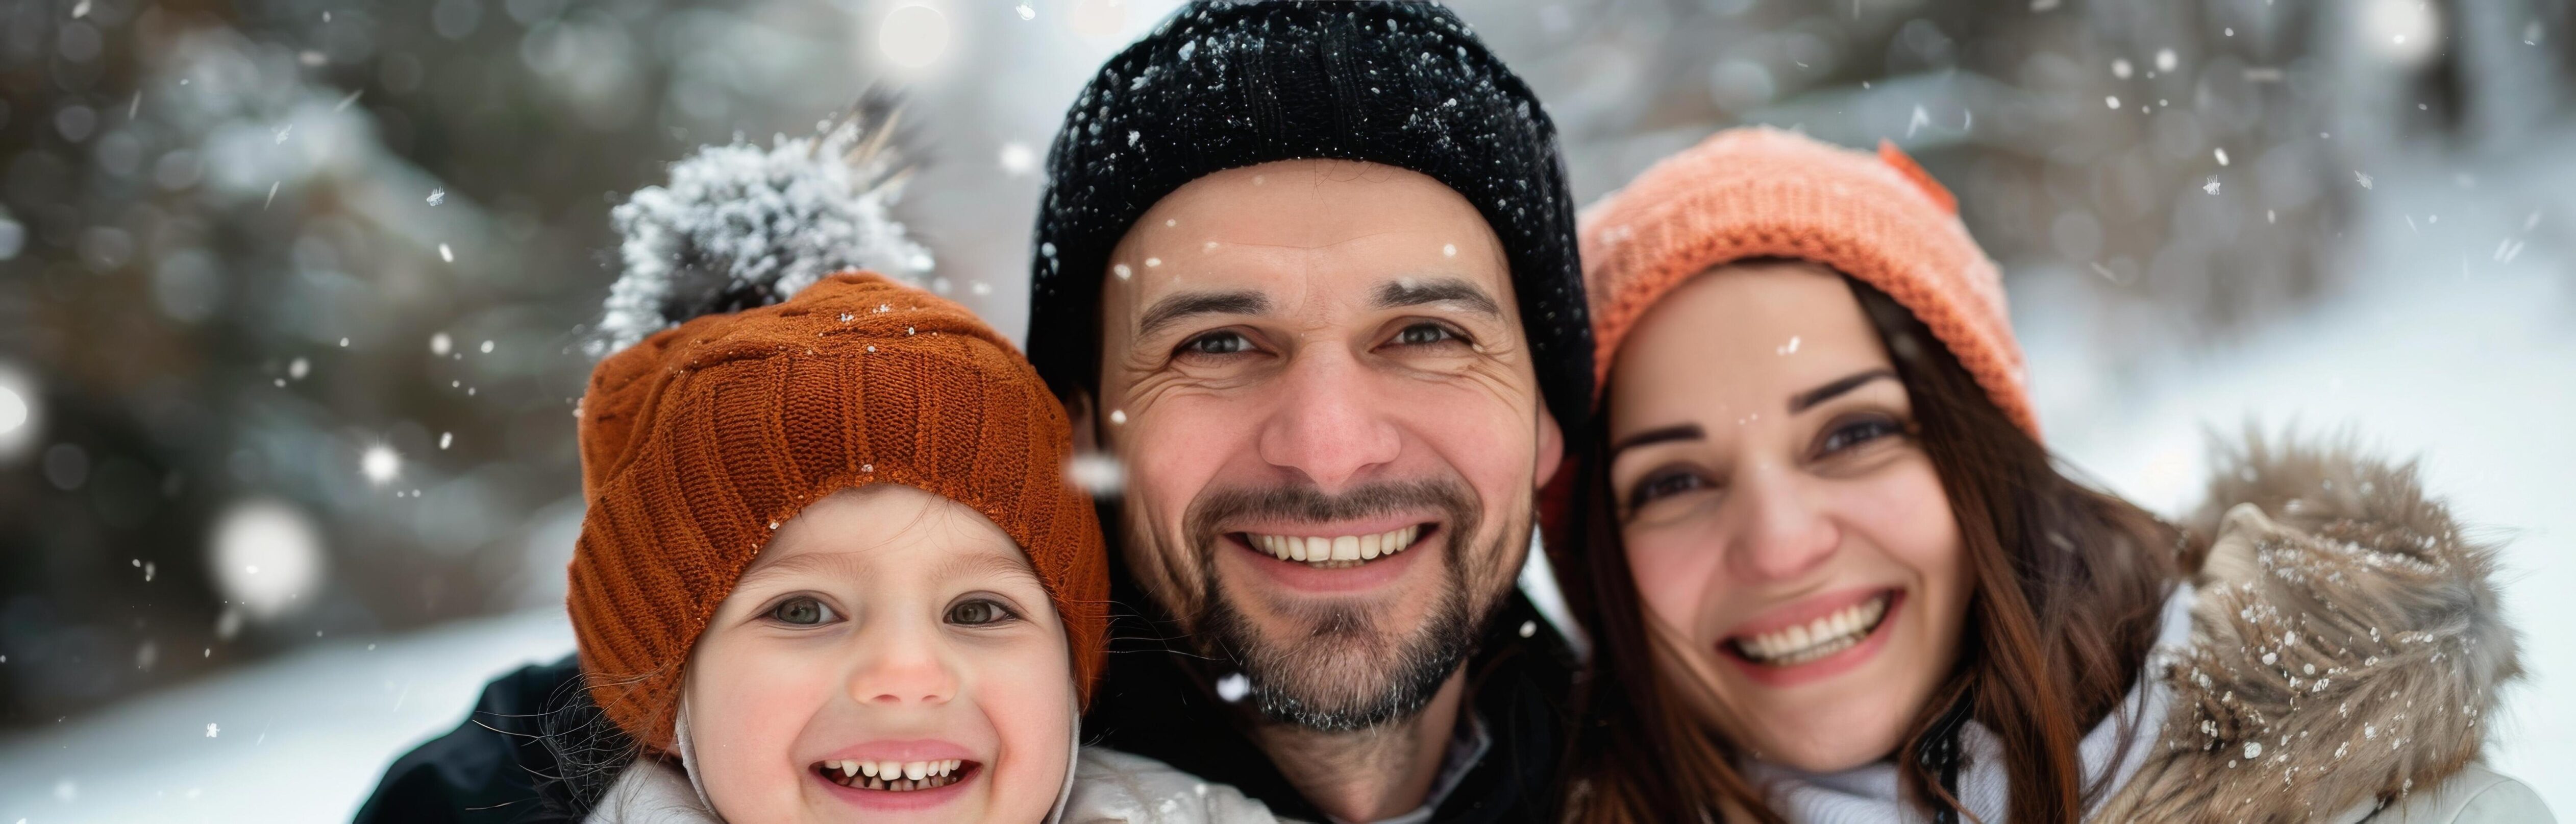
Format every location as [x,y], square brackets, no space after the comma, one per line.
[1304,247]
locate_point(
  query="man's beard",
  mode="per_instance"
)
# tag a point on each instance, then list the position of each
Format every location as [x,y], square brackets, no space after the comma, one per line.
[1343,672]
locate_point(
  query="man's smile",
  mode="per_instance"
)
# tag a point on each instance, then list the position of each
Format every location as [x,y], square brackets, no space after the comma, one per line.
[1335,551]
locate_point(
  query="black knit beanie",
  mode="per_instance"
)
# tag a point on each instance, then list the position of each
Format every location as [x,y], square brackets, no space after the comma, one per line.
[1224,85]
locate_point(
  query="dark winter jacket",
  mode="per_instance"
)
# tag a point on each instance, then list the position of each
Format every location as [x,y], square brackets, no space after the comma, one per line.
[1153,703]
[506,764]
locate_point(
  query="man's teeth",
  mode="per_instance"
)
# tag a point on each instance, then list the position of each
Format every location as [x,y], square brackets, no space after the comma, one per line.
[897,776]
[1816,639]
[1335,551]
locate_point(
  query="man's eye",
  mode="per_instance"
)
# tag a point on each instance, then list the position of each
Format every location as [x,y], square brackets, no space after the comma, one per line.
[1421,334]
[1217,343]
[978,612]
[801,611]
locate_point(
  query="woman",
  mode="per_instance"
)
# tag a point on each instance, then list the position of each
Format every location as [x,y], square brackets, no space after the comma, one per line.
[1836,576]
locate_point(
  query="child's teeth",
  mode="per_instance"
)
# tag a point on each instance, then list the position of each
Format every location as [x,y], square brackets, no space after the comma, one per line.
[849,769]
[889,770]
[915,770]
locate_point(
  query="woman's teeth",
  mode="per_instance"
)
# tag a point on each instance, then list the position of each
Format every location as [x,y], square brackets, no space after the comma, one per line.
[1816,639]
[1335,552]
[897,776]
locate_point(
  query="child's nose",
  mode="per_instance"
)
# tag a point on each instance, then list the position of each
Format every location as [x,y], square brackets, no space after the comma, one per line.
[903,668]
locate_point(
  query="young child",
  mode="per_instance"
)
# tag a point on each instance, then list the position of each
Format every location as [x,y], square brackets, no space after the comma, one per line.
[832,570]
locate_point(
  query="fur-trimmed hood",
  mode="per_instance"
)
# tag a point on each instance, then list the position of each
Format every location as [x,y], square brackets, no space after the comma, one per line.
[2347,647]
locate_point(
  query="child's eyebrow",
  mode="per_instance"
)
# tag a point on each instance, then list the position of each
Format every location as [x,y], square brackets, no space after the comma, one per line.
[977,564]
[958,565]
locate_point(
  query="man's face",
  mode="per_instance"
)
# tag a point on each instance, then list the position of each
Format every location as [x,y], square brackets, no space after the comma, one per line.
[1315,376]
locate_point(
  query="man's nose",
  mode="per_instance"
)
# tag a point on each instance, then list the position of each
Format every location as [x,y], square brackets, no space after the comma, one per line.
[1785,531]
[1329,421]
[902,665]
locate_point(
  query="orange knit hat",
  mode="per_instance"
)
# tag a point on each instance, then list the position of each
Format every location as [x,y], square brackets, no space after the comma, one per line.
[1762,192]
[699,441]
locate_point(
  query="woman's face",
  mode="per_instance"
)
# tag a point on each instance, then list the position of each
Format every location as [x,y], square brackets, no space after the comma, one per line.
[890,656]
[1793,551]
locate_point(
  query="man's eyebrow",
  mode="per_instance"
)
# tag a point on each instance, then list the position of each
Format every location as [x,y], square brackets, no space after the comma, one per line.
[1179,307]
[1801,401]
[1675,432]
[1418,291]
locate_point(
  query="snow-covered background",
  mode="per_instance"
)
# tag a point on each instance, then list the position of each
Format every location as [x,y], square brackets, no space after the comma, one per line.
[291,293]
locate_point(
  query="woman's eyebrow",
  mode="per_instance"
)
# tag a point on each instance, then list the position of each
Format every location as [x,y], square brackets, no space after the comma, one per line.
[1675,432]
[1802,401]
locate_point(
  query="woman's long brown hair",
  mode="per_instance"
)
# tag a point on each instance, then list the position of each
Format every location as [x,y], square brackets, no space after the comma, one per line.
[2068,586]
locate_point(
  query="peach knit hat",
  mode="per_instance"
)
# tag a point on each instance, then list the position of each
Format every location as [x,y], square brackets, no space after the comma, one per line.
[1762,192]
[699,441]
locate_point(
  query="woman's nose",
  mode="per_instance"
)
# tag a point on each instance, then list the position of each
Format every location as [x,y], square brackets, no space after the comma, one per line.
[1785,531]
[900,666]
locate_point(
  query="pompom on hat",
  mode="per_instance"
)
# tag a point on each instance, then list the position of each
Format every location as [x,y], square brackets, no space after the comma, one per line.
[1761,192]
[700,440]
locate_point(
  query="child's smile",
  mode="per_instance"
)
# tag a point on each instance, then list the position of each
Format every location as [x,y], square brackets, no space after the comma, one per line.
[890,654]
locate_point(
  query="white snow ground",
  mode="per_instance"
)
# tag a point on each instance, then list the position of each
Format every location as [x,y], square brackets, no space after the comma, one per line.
[295,740]
[2438,348]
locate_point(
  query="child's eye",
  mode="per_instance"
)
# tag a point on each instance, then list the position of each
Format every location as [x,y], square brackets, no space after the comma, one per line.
[979,612]
[801,611]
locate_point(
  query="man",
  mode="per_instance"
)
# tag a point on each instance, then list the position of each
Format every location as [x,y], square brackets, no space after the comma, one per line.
[1307,271]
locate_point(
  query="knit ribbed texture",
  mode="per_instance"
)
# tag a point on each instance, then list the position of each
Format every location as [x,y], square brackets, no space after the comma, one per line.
[1762,192]
[699,441]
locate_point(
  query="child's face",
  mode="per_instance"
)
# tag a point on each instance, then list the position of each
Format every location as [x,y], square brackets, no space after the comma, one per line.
[889,627]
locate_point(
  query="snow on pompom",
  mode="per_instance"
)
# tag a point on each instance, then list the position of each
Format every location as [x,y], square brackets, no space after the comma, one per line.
[740,226]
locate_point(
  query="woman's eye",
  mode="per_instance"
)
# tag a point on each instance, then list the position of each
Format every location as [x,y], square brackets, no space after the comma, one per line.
[1422,334]
[978,612]
[1857,432]
[1217,343]
[801,611]
[1663,485]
